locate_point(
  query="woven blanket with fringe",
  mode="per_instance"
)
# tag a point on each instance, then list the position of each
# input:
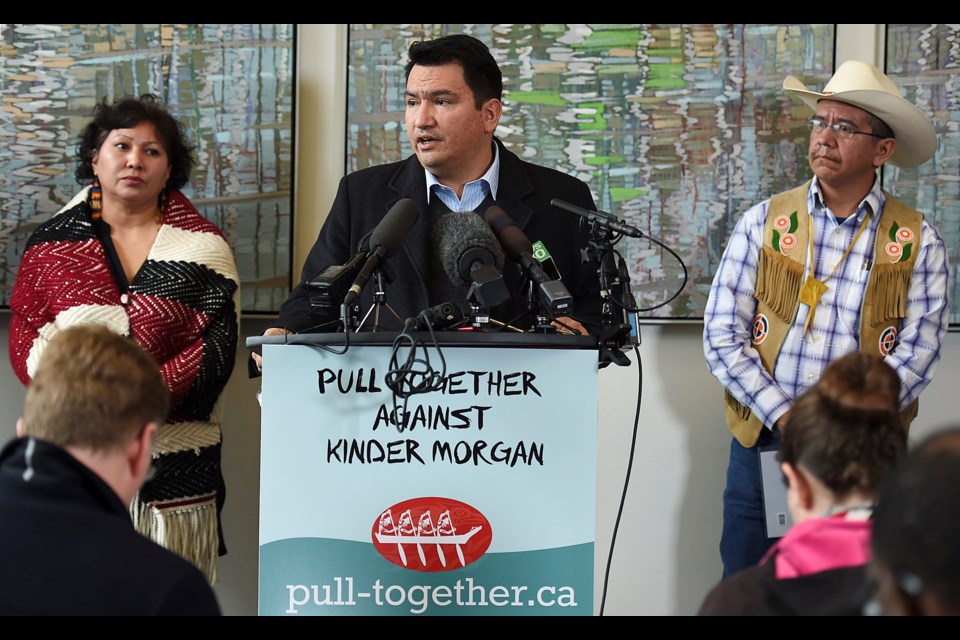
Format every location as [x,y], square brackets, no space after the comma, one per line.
[183,309]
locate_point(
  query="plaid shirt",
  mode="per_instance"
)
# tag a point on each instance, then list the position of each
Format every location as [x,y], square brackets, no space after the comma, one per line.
[731,308]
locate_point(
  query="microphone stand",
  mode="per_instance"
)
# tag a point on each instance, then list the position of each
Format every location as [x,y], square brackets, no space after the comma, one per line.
[542,323]
[615,330]
[379,302]
[480,319]
[479,315]
[348,316]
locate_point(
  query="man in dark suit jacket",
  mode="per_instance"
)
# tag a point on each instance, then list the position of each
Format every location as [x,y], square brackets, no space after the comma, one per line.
[453,107]
[84,448]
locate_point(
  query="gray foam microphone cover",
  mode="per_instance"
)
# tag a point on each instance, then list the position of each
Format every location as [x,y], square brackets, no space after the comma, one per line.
[455,234]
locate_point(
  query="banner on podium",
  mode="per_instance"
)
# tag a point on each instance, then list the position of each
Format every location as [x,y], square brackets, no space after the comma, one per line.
[476,499]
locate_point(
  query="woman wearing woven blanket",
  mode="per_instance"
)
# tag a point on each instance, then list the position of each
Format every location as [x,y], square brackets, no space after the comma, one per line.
[131,252]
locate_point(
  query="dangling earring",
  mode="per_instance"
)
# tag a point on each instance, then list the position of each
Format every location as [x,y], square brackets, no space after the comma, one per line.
[96,198]
[162,201]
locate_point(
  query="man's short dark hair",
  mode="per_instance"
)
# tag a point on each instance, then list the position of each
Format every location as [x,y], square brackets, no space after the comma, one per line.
[879,127]
[916,529]
[480,71]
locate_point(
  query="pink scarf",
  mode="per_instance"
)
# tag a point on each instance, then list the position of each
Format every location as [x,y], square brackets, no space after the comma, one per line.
[820,544]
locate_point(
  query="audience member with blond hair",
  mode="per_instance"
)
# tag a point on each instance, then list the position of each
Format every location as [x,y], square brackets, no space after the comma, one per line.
[83,450]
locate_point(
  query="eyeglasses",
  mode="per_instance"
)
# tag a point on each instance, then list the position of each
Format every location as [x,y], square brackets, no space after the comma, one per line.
[841,130]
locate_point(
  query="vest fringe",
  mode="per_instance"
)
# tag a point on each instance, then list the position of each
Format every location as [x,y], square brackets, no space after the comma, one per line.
[736,406]
[778,283]
[891,282]
[188,530]
[777,290]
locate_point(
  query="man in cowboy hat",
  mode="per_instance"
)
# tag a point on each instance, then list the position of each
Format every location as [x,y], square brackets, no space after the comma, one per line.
[834,265]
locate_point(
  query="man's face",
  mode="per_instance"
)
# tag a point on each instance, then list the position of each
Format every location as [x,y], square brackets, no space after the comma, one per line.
[450,136]
[840,162]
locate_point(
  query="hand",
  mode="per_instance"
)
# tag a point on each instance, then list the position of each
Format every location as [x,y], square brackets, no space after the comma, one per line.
[781,423]
[565,323]
[272,331]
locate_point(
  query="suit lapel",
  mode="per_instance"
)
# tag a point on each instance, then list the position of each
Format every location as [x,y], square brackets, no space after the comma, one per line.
[410,182]
[514,186]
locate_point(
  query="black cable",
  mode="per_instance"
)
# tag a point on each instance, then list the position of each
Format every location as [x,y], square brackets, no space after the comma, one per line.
[668,300]
[594,230]
[403,379]
[291,338]
[626,481]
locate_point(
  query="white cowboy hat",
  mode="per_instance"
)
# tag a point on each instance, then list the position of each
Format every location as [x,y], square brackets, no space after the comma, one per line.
[863,85]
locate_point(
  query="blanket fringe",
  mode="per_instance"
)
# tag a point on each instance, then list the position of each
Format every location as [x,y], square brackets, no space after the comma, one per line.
[187,527]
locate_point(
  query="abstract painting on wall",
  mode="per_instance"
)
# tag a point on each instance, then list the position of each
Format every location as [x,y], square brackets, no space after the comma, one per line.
[676,129]
[924,61]
[230,85]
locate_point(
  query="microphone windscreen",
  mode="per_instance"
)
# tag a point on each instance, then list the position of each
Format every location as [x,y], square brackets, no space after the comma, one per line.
[511,236]
[458,232]
[392,230]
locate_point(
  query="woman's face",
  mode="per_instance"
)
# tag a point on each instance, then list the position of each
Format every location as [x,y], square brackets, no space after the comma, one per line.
[132,166]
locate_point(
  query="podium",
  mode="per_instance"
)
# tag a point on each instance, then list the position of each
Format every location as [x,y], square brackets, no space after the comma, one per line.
[475,499]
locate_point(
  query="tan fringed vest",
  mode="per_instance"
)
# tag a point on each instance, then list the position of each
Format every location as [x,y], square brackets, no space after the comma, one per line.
[781,271]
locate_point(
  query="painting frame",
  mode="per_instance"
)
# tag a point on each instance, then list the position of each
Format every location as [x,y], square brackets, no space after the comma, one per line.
[922,60]
[557,97]
[232,87]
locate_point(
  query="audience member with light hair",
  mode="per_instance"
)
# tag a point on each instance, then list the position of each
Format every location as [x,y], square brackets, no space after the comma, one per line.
[841,439]
[83,450]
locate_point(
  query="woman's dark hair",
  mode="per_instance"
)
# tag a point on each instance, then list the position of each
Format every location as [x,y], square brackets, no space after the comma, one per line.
[915,528]
[480,70]
[846,430]
[127,113]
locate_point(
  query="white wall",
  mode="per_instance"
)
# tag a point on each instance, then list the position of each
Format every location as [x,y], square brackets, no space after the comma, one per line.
[666,553]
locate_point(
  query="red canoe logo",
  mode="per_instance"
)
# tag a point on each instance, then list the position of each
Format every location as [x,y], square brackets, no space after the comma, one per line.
[431,534]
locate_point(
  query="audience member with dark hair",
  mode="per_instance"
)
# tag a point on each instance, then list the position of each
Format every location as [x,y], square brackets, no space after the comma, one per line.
[90,419]
[841,439]
[916,532]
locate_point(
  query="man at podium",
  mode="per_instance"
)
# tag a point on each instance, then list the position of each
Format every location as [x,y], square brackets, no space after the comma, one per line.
[437,198]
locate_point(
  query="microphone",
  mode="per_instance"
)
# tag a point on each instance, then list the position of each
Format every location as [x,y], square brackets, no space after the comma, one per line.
[329,286]
[554,297]
[471,257]
[385,240]
[606,220]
